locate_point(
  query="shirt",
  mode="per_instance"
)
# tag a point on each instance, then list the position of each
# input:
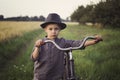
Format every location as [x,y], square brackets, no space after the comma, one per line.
[50,63]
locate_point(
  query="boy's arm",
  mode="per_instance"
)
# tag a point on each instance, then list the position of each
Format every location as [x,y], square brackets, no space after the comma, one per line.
[36,51]
[91,42]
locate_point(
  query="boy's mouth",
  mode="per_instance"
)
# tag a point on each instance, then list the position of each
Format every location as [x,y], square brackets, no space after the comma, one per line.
[54,35]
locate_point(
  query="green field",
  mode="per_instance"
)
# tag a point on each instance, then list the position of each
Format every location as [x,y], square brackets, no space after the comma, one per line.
[96,62]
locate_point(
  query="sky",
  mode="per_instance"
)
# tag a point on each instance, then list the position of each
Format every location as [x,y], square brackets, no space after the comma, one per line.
[13,8]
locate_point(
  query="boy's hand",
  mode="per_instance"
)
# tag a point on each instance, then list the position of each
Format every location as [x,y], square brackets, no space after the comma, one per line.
[98,38]
[38,43]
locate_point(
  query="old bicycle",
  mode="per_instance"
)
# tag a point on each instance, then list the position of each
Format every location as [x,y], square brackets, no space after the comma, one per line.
[69,61]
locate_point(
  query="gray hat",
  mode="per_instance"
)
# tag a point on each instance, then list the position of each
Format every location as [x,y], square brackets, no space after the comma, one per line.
[54,19]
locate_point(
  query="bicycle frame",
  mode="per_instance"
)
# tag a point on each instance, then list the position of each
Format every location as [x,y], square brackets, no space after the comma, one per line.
[69,67]
[69,61]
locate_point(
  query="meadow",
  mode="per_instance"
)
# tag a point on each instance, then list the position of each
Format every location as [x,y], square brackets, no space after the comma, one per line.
[97,62]
[13,29]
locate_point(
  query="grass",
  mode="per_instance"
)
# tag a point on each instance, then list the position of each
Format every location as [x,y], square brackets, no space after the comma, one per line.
[97,62]
[16,61]
[100,61]
[10,29]
[13,36]
[14,53]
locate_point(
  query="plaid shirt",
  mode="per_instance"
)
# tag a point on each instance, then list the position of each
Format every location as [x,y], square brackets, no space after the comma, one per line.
[50,63]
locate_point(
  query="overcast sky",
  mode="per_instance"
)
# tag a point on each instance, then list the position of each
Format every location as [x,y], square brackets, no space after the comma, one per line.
[64,8]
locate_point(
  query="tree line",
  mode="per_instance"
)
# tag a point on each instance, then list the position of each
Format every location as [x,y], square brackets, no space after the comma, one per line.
[106,13]
[27,18]
[23,18]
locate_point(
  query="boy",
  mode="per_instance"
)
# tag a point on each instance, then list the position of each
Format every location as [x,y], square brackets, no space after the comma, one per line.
[48,60]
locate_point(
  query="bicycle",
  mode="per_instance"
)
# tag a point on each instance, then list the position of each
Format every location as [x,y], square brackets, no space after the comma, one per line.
[69,61]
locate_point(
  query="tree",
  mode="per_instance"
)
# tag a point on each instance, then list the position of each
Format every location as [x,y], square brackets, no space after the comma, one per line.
[1,17]
[83,14]
[42,18]
[108,12]
[88,15]
[77,14]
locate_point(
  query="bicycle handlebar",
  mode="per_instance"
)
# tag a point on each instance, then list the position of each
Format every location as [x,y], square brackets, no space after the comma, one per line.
[71,48]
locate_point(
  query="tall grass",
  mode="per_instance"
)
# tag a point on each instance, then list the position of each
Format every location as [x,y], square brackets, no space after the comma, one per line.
[12,48]
[14,37]
[100,61]
[10,29]
[15,58]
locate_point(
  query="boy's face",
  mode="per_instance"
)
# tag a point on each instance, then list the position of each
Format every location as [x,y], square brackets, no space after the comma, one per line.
[52,30]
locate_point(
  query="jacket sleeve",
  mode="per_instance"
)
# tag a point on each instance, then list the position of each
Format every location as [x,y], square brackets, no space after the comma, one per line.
[74,43]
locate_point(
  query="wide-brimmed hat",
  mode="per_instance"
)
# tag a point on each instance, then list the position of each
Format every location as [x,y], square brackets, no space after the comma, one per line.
[53,18]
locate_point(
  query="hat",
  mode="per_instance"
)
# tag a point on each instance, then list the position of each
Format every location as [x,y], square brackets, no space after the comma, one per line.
[54,19]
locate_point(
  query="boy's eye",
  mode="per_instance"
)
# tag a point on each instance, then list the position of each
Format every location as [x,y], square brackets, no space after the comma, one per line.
[56,28]
[50,28]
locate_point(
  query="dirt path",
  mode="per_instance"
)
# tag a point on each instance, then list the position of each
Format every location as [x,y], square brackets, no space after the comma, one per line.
[17,65]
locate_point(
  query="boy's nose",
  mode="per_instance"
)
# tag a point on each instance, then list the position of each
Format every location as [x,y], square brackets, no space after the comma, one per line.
[53,31]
